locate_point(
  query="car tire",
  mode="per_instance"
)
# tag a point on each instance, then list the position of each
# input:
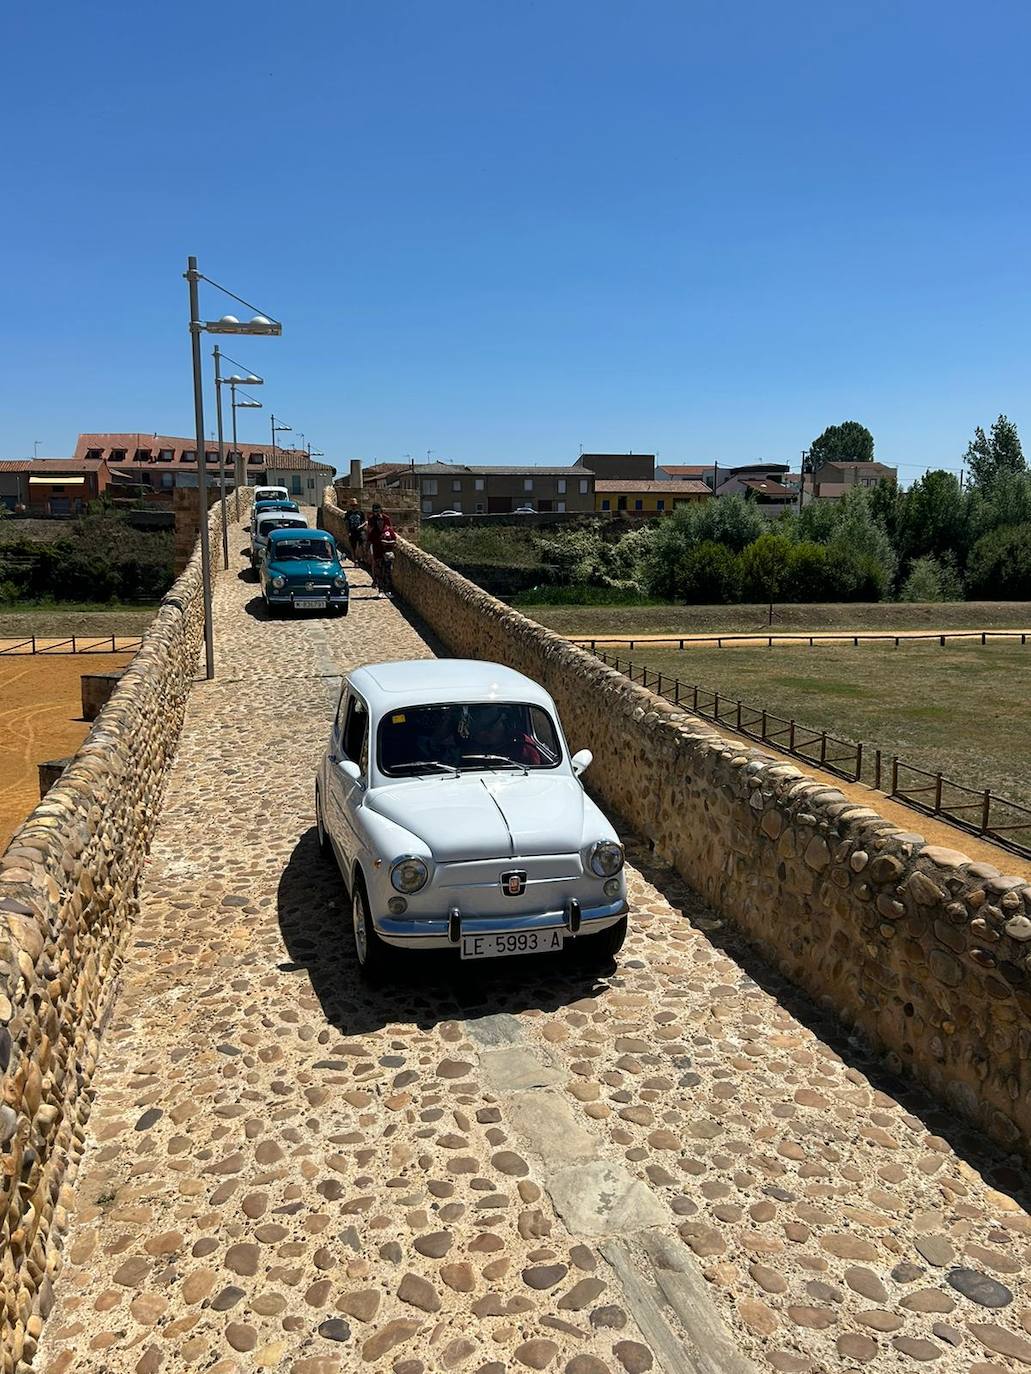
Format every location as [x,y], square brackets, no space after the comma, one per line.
[602,948]
[325,845]
[369,949]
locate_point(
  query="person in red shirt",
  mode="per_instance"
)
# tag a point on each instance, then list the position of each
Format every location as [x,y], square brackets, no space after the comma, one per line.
[382,539]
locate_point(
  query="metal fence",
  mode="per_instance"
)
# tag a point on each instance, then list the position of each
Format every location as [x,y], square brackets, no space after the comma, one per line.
[819,637]
[978,811]
[72,644]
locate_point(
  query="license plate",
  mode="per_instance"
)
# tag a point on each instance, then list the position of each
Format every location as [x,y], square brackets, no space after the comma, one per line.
[310,603]
[511,942]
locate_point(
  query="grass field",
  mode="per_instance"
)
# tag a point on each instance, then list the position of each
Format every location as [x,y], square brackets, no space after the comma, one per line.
[881,615]
[963,710]
[72,618]
[40,719]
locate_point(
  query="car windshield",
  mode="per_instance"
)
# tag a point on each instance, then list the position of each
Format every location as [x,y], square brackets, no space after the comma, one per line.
[303,551]
[467,738]
[266,526]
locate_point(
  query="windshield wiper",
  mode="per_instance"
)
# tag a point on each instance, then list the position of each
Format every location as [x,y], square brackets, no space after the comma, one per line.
[426,763]
[496,758]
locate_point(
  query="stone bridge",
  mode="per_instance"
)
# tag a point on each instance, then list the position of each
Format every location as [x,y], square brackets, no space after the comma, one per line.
[684,1166]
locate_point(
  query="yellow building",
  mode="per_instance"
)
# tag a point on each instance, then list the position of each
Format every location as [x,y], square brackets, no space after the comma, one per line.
[647,498]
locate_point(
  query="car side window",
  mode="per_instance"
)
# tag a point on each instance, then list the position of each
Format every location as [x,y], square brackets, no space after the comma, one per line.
[341,716]
[356,733]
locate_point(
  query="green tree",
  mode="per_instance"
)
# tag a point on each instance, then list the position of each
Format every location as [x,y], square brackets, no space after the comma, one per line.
[1006,502]
[764,568]
[996,454]
[1000,565]
[849,442]
[933,518]
[863,541]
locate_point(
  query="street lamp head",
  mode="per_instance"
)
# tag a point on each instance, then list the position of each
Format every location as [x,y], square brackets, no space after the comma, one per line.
[254,381]
[234,380]
[248,405]
[229,324]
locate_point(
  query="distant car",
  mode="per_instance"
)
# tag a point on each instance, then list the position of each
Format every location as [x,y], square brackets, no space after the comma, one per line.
[524,510]
[270,494]
[443,514]
[267,521]
[456,815]
[301,571]
[279,504]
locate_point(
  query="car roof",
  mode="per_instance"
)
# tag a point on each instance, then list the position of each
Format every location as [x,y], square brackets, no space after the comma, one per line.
[294,515]
[281,536]
[423,682]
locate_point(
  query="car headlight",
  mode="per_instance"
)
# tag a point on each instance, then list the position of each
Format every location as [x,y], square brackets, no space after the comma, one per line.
[339,581]
[278,582]
[409,875]
[606,858]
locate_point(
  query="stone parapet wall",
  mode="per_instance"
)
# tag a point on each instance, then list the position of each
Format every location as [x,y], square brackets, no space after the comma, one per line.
[69,882]
[923,952]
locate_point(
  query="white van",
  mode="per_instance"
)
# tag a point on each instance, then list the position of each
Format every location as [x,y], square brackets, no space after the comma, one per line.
[272,520]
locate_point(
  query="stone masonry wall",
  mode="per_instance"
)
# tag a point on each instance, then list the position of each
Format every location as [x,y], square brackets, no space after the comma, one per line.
[922,951]
[402,506]
[69,881]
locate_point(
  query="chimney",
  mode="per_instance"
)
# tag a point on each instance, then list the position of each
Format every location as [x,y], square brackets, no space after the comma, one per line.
[356,472]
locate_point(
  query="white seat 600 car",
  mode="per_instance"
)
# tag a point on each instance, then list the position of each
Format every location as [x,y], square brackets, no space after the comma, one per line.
[457,817]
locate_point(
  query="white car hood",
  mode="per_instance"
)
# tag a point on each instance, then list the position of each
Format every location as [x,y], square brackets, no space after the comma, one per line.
[487,815]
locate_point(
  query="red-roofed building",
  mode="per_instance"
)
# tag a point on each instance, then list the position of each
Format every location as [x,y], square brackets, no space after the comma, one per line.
[164,462]
[52,486]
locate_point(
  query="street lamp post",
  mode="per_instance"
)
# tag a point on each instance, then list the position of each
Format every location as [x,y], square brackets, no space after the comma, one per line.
[228,324]
[221,457]
[234,382]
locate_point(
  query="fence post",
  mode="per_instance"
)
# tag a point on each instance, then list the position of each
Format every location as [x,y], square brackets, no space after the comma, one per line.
[73,644]
[681,645]
[739,715]
[877,770]
[983,639]
[894,774]
[986,809]
[859,761]
[644,676]
[823,747]
[791,735]
[764,725]
[937,793]
[676,691]
[896,641]
[658,687]
[942,641]
[716,706]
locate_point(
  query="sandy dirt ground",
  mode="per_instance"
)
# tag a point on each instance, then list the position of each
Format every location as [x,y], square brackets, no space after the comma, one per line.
[40,719]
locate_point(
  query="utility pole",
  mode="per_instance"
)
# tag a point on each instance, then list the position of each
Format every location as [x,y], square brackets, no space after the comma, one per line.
[196,326]
[801,481]
[221,457]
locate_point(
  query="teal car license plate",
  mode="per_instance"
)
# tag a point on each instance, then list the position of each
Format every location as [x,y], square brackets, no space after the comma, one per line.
[511,942]
[310,603]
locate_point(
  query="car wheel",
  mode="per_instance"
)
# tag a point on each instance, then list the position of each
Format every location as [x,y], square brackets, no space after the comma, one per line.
[601,948]
[325,847]
[368,947]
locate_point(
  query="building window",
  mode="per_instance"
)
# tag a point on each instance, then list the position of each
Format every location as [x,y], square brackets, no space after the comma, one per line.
[660,504]
[621,503]
[429,486]
[189,455]
[638,505]
[118,455]
[94,454]
[210,455]
[427,507]
[480,484]
[295,484]
[457,505]
[527,484]
[256,459]
[479,507]
[164,455]
[560,506]
[584,485]
[311,483]
[143,455]
[606,504]
[167,480]
[456,484]
[561,486]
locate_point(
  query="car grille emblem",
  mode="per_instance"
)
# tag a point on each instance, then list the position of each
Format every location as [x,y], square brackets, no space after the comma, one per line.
[309,586]
[513,884]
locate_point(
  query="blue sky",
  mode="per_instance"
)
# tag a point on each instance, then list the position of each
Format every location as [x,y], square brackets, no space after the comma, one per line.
[498,231]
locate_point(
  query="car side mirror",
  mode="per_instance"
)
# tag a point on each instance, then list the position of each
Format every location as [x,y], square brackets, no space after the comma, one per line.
[581,761]
[350,770]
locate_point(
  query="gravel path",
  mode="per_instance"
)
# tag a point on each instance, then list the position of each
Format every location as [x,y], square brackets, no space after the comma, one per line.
[516,1168]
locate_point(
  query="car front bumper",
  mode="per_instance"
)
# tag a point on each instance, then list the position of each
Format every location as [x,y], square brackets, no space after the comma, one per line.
[446,933]
[287,597]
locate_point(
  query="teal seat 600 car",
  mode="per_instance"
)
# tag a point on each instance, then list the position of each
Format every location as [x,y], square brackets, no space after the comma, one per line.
[301,569]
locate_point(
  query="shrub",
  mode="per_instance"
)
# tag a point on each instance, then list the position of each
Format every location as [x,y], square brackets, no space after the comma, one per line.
[709,574]
[922,583]
[764,567]
[1000,565]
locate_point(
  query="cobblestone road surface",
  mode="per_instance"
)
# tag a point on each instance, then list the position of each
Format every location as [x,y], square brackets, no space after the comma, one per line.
[526,1168]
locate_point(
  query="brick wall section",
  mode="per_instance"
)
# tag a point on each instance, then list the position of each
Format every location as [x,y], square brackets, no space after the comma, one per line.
[922,951]
[69,883]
